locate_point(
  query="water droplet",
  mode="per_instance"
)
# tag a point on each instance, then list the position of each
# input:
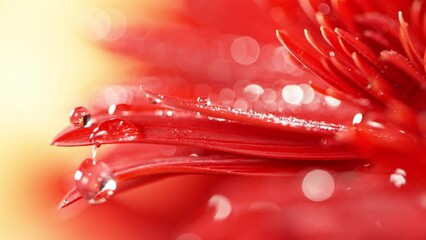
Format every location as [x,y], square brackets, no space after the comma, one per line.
[80,117]
[150,97]
[204,101]
[114,130]
[94,181]
[118,109]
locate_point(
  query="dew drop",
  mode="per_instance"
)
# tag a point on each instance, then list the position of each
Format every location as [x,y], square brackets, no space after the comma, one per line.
[114,130]
[204,101]
[150,97]
[80,117]
[94,181]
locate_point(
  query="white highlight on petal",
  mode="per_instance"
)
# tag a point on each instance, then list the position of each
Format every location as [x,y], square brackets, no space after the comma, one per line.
[332,102]
[222,205]
[357,119]
[77,175]
[318,185]
[398,178]
[245,50]
[375,124]
[292,94]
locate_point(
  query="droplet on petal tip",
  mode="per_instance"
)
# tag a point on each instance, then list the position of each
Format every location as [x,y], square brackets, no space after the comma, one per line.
[80,117]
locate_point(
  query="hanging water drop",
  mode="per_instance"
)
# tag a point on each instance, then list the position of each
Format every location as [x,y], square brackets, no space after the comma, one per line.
[204,101]
[94,181]
[80,117]
[114,130]
[95,151]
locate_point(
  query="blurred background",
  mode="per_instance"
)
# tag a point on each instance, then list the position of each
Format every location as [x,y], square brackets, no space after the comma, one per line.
[49,63]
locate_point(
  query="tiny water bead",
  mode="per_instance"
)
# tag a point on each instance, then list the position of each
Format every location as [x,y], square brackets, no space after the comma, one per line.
[204,101]
[94,181]
[114,130]
[150,97]
[80,117]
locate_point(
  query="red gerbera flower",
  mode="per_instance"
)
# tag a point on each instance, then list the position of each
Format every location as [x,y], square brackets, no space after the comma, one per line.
[220,98]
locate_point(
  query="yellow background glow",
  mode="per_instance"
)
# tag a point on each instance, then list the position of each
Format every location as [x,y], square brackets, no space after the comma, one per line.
[46,69]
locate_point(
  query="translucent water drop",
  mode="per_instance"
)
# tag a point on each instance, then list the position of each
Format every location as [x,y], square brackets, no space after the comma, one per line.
[114,130]
[150,97]
[118,109]
[204,101]
[80,117]
[94,181]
